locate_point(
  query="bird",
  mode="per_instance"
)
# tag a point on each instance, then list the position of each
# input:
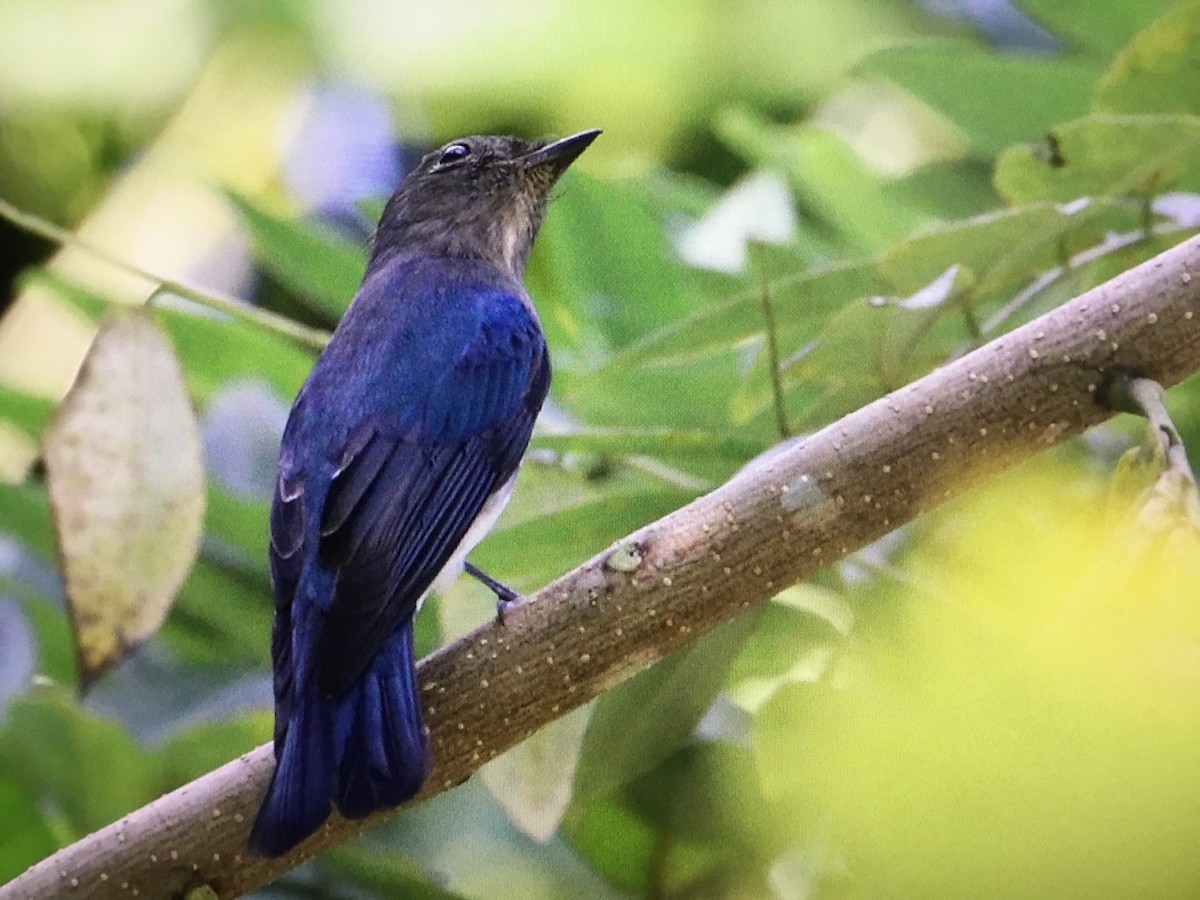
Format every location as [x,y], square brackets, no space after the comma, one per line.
[399,453]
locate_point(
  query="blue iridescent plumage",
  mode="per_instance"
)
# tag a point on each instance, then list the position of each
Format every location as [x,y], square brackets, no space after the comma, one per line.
[408,433]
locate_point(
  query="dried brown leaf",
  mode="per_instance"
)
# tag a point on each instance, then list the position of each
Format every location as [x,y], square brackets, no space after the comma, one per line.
[126,482]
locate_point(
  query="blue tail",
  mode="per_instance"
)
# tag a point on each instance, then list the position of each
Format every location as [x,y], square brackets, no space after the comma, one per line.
[365,751]
[384,757]
[298,799]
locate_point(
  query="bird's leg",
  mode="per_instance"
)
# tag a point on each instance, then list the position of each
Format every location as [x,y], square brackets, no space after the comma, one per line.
[505,596]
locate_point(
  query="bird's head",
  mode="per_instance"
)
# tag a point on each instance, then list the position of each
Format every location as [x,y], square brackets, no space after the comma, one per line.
[478,197]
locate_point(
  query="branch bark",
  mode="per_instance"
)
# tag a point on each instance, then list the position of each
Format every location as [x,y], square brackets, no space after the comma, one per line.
[788,514]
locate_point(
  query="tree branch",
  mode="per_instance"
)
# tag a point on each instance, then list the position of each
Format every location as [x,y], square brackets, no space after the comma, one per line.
[788,514]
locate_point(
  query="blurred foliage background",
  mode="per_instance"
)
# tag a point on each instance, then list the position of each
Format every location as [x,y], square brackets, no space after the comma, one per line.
[998,700]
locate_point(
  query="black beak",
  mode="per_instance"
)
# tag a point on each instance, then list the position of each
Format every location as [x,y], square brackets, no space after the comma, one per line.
[556,157]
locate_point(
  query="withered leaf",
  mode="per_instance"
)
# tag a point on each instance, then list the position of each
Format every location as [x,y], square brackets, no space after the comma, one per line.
[126,482]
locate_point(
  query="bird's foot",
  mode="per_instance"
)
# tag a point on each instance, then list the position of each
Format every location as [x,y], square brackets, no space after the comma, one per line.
[503,607]
[506,597]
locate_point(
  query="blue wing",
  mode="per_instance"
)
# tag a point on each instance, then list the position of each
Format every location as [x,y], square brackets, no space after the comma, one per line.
[419,416]
[400,506]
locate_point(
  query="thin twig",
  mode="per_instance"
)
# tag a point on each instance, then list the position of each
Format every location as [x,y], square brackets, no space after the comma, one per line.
[971,319]
[781,417]
[315,338]
[1111,244]
[1126,392]
[666,473]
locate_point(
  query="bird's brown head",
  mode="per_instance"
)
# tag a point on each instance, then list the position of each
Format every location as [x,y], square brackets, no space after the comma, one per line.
[481,197]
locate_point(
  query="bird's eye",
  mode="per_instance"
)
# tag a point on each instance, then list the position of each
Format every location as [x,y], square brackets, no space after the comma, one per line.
[453,154]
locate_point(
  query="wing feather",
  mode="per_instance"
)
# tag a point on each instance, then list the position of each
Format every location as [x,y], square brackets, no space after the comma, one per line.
[398,508]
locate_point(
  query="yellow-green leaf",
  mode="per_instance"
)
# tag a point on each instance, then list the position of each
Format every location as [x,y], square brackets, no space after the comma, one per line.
[995,99]
[1007,247]
[1105,156]
[1099,29]
[1157,72]
[126,483]
[315,262]
[533,780]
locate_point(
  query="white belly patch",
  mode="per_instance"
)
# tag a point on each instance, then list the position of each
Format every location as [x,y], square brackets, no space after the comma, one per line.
[479,528]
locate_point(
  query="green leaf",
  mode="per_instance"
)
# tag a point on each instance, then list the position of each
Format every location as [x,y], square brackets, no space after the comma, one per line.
[642,721]
[241,525]
[1108,261]
[25,516]
[1008,247]
[707,791]
[1102,28]
[972,244]
[996,100]
[533,780]
[216,351]
[387,874]
[679,392]
[56,646]
[849,360]
[549,490]
[427,629]
[673,193]
[800,302]
[683,374]
[832,184]
[1105,156]
[602,271]
[772,262]
[603,274]
[221,614]
[778,725]
[202,748]
[616,842]
[945,190]
[800,620]
[27,839]
[29,413]
[1157,72]
[315,263]
[89,768]
[466,839]
[1107,266]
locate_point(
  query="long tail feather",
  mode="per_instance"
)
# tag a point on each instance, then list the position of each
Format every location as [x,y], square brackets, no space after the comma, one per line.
[364,752]
[384,756]
[298,798]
